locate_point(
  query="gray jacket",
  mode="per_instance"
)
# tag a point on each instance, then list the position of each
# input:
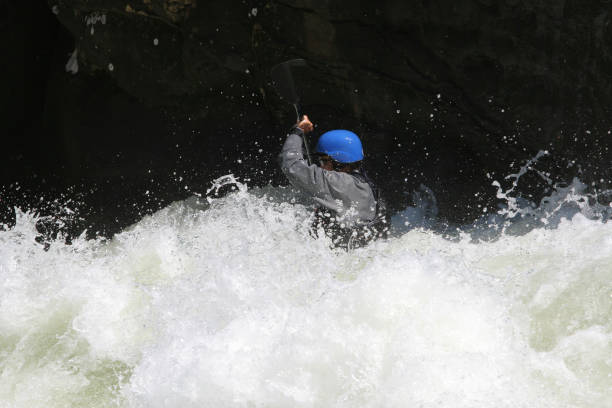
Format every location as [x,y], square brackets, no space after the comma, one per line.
[350,198]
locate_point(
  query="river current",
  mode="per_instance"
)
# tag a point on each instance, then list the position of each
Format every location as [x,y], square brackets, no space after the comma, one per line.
[229,302]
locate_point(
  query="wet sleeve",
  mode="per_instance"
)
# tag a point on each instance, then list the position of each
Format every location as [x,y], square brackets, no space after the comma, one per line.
[311,179]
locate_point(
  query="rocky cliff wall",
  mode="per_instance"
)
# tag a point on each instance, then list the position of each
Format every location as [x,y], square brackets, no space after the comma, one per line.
[445,93]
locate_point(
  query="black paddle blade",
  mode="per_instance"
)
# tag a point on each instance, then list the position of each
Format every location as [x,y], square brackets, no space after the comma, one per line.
[283,79]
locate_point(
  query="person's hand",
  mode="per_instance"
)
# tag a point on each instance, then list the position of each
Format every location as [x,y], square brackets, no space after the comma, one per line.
[305,124]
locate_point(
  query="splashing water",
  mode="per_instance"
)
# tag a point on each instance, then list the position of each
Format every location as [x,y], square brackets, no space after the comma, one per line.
[230,302]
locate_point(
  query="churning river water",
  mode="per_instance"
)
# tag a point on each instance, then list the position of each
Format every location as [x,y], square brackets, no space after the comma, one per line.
[233,304]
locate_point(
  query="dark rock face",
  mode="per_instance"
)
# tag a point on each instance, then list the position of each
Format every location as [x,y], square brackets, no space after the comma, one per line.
[445,93]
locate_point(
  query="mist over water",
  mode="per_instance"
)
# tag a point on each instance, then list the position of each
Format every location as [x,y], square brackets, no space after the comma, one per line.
[230,302]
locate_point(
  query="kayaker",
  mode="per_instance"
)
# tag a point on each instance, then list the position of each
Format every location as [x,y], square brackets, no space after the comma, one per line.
[349,207]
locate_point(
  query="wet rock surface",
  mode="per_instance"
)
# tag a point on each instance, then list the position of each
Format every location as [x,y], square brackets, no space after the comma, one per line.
[171,93]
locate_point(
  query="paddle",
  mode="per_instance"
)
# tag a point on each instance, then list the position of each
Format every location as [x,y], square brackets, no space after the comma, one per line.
[283,79]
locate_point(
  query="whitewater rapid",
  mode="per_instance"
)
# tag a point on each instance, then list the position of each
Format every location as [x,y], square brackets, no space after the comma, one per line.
[231,303]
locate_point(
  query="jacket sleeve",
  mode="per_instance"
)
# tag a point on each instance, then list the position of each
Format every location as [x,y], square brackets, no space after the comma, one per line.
[293,164]
[334,190]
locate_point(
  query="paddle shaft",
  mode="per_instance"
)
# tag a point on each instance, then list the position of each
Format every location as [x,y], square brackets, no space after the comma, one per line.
[299,119]
[285,86]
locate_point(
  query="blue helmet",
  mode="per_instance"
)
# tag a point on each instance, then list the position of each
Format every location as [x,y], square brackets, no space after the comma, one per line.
[341,145]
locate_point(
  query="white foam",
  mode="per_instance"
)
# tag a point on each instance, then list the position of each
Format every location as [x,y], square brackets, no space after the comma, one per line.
[232,303]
